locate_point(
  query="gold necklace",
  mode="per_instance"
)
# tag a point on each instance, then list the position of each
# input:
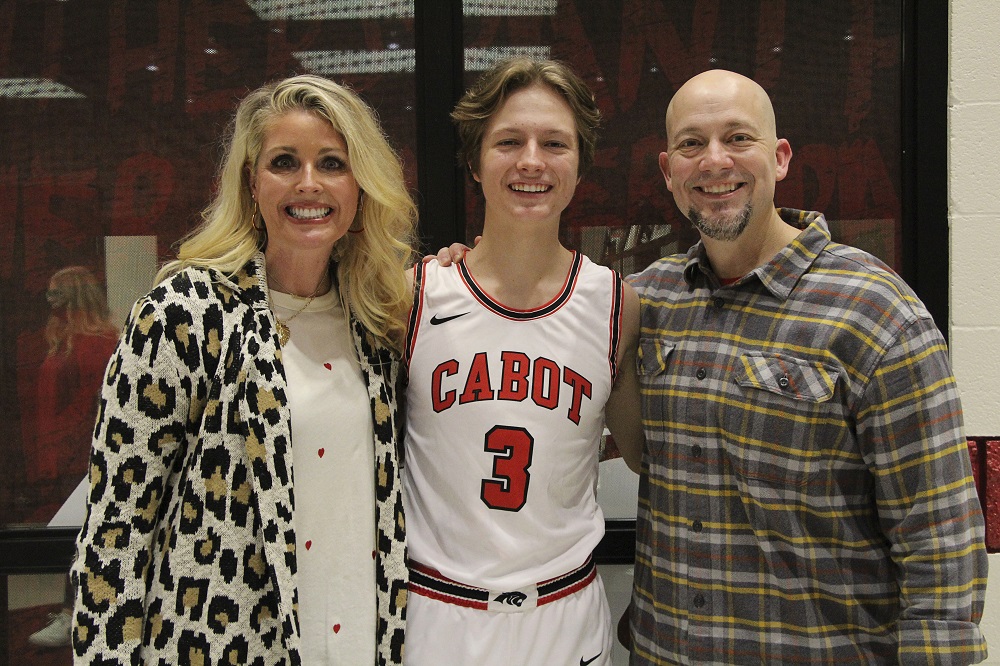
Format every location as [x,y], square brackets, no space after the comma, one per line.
[284,333]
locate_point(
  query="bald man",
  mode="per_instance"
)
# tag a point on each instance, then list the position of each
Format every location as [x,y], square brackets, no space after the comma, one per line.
[806,494]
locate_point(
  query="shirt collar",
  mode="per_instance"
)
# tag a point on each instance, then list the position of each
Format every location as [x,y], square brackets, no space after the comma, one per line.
[782,273]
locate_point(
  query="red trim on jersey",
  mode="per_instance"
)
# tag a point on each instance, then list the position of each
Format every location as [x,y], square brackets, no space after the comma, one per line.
[617,301]
[415,310]
[524,315]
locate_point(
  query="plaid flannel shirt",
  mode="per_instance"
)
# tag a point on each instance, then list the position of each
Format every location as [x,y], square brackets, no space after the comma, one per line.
[806,495]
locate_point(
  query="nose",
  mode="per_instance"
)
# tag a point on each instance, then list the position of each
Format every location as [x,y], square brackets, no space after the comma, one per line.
[716,156]
[307,180]
[530,157]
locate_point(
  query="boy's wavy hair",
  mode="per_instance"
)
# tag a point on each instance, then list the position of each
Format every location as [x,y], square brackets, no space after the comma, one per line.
[496,85]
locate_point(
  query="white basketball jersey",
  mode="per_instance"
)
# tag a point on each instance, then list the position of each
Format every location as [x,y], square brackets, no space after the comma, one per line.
[505,410]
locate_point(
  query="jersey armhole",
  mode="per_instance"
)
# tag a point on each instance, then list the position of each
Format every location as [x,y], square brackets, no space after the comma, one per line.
[615,327]
[415,311]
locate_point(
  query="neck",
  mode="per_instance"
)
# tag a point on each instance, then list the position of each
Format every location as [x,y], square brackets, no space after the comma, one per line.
[520,268]
[755,247]
[518,252]
[302,280]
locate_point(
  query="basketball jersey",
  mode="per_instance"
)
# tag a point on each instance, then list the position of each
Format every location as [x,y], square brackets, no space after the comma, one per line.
[505,411]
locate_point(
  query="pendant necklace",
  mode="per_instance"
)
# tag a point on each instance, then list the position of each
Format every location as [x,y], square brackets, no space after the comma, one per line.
[284,333]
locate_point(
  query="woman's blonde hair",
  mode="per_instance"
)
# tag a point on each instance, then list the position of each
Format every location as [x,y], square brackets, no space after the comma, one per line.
[79,307]
[370,264]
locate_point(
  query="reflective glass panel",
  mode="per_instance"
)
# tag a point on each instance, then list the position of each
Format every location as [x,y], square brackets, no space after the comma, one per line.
[832,69]
[111,115]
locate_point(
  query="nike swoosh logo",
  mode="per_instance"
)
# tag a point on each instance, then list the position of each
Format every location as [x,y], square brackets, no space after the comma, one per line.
[584,662]
[435,320]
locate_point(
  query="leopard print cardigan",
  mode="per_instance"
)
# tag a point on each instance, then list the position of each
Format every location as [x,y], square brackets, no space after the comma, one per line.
[187,552]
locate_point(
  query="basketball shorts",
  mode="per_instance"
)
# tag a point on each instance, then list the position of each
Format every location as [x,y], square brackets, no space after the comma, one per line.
[562,621]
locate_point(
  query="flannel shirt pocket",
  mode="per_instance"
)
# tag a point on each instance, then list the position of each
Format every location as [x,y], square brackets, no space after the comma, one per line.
[785,375]
[775,438]
[653,354]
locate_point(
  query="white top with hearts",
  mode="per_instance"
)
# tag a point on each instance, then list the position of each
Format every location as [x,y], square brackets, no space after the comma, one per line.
[333,461]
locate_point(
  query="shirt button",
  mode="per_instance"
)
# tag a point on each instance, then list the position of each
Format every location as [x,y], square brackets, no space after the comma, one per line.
[783,382]
[719,303]
[697,526]
[699,600]
[696,451]
[701,373]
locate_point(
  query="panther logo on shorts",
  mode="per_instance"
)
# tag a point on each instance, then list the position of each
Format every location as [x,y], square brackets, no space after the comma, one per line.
[511,598]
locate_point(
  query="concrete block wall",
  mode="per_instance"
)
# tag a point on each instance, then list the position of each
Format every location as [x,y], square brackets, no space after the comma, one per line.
[974,223]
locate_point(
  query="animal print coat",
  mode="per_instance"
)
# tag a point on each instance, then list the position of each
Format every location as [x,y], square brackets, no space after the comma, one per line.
[187,553]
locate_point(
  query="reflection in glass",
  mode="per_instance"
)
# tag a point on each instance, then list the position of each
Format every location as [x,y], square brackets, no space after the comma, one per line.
[110,134]
[829,84]
[35,89]
[330,10]
[37,630]
[80,338]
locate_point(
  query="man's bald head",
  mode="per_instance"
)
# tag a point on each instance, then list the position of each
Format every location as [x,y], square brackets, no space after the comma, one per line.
[716,88]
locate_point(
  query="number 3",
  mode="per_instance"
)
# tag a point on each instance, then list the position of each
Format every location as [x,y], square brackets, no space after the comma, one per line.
[508,489]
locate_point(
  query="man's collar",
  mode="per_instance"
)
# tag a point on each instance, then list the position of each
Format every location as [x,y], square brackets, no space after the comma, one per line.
[782,273]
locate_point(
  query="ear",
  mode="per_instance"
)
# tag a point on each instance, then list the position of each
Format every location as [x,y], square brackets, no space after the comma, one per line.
[783,155]
[475,176]
[252,181]
[665,169]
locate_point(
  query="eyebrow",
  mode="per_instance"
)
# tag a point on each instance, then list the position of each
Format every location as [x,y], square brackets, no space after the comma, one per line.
[729,126]
[512,129]
[292,149]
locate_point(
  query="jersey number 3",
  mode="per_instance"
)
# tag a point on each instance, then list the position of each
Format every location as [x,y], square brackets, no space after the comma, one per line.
[508,489]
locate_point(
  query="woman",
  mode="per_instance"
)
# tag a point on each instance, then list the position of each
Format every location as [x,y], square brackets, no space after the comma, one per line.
[515,356]
[267,351]
[80,339]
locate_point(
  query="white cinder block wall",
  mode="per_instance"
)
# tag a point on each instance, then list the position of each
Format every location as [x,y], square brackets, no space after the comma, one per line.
[974,219]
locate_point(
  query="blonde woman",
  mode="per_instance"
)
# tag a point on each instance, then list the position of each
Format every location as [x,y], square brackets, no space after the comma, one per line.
[80,339]
[267,352]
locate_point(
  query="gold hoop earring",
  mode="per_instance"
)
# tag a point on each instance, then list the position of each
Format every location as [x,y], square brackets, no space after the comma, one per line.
[361,208]
[253,218]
